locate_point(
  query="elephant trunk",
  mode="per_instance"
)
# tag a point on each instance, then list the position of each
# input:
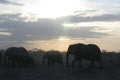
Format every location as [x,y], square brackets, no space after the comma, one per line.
[5,59]
[67,59]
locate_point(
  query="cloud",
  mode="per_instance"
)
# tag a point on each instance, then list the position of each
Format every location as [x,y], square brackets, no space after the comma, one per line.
[80,17]
[10,3]
[85,32]
[11,17]
[43,29]
[5,33]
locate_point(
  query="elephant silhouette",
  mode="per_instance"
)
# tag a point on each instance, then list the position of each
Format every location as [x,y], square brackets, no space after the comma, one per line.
[81,51]
[16,56]
[52,57]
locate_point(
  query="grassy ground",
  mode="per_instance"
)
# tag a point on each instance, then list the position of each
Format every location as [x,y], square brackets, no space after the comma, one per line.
[42,72]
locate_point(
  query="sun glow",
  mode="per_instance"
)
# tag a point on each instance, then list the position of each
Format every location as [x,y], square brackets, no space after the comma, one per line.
[5,34]
[54,8]
[63,38]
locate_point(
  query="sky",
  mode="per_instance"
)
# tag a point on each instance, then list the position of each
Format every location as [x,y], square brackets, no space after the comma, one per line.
[55,24]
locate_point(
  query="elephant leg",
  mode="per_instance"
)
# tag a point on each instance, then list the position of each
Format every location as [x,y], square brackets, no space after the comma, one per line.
[80,62]
[19,63]
[26,62]
[100,62]
[5,61]
[8,61]
[32,62]
[61,63]
[43,61]
[49,63]
[13,62]
[73,62]
[22,63]
[92,63]
[52,63]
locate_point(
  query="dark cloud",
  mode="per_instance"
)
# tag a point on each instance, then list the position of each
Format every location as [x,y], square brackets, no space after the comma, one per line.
[10,3]
[80,18]
[43,29]
[80,13]
[84,32]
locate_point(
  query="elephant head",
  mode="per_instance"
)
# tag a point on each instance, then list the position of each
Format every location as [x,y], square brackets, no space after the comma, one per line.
[81,51]
[73,50]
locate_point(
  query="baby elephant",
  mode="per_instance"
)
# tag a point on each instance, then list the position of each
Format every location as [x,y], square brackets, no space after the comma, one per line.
[52,57]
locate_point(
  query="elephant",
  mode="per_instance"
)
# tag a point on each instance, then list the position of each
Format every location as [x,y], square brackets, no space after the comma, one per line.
[82,51]
[52,57]
[16,56]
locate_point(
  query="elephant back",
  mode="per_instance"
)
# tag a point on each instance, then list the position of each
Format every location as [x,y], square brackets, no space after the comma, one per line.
[90,51]
[10,51]
[16,53]
[52,57]
[93,51]
[57,56]
[75,48]
[21,52]
[93,48]
[47,55]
